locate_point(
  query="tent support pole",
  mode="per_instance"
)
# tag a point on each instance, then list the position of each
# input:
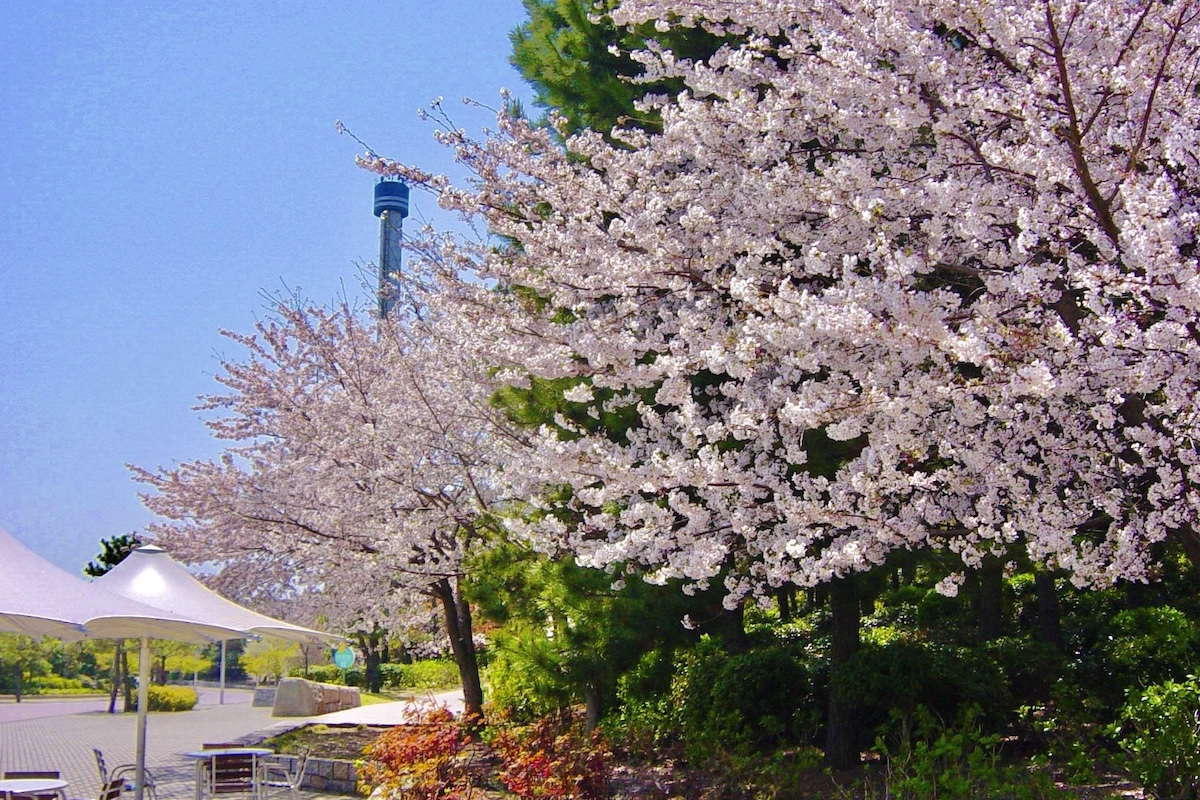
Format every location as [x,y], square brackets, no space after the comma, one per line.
[143,708]
[221,694]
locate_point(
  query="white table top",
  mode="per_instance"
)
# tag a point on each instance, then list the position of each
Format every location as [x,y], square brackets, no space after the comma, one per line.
[231,751]
[31,785]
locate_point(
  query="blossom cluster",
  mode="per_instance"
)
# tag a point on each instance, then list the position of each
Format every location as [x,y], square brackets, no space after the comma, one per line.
[891,276]
[355,476]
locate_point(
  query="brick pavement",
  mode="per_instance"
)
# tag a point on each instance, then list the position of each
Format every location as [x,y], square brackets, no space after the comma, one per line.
[65,743]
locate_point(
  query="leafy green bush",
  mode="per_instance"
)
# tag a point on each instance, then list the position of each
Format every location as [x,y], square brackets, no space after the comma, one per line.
[767,691]
[928,760]
[739,704]
[1139,647]
[53,684]
[429,674]
[1159,731]
[329,673]
[1030,668]
[643,721]
[440,673]
[902,675]
[171,698]
[524,679]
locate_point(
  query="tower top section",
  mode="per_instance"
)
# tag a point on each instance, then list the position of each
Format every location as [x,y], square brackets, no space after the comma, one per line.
[391,195]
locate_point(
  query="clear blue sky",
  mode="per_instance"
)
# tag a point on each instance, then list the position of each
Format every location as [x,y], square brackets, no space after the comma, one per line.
[161,166]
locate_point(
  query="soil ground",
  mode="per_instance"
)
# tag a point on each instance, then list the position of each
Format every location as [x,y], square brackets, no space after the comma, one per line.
[344,742]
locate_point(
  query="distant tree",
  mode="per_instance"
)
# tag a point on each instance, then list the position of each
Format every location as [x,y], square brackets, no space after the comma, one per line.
[270,659]
[176,657]
[362,452]
[22,658]
[112,552]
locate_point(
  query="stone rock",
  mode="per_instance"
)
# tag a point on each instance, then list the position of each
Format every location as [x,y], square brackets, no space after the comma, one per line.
[264,697]
[297,697]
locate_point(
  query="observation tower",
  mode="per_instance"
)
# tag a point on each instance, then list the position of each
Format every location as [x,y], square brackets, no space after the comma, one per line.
[391,206]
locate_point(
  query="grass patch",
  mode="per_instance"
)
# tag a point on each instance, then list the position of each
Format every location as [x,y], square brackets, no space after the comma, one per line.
[373,698]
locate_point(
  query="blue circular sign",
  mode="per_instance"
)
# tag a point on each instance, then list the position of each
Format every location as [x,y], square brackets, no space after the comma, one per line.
[343,657]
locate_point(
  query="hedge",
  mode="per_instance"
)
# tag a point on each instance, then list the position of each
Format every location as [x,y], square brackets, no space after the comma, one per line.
[171,698]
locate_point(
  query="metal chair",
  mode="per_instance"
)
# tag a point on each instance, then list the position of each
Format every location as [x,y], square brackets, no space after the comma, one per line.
[111,789]
[228,773]
[287,773]
[125,773]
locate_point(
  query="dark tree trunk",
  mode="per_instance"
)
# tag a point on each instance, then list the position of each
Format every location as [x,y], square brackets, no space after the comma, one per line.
[127,683]
[17,673]
[591,698]
[304,659]
[730,628]
[841,736]
[372,659]
[118,649]
[989,601]
[462,644]
[1049,612]
[785,597]
[372,673]
[1136,595]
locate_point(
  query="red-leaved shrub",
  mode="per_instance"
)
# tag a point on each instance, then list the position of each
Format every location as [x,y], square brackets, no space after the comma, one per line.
[423,759]
[554,757]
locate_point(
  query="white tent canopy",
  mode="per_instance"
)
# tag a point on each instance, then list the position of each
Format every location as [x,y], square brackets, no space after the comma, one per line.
[38,598]
[149,575]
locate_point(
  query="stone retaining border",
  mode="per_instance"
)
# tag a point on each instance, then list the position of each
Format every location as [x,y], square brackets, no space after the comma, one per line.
[326,774]
[329,775]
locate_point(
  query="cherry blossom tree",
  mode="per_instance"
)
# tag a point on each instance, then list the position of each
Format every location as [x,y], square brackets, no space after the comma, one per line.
[893,276]
[359,467]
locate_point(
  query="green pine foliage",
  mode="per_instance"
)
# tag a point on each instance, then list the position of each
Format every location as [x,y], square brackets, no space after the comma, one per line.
[564,634]
[578,63]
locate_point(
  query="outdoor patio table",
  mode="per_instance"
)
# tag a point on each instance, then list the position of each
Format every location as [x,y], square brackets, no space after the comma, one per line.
[31,786]
[206,762]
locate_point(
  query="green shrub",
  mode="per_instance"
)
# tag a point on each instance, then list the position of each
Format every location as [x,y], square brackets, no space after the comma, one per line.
[644,719]
[329,673]
[740,704]
[54,684]
[1030,668]
[1064,732]
[766,690]
[928,760]
[1141,647]
[430,674]
[896,678]
[1159,731]
[524,680]
[171,698]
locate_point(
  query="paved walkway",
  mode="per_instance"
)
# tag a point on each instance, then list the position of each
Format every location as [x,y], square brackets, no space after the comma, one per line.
[31,737]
